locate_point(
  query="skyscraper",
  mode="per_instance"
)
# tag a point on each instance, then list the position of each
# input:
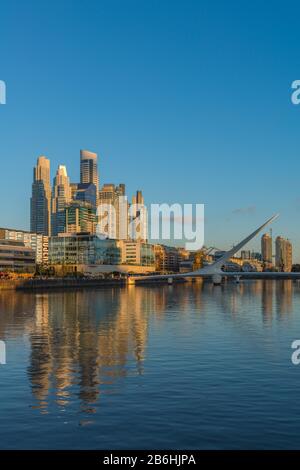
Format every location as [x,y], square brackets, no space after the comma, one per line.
[289,256]
[80,216]
[89,168]
[61,196]
[85,192]
[284,254]
[138,218]
[113,211]
[266,249]
[40,203]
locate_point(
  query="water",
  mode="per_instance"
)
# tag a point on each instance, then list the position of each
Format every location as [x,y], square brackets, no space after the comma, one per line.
[184,366]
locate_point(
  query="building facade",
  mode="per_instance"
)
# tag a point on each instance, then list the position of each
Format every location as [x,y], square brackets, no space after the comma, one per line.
[16,257]
[138,218]
[80,216]
[245,254]
[136,252]
[267,250]
[167,259]
[82,249]
[38,243]
[113,212]
[40,203]
[89,168]
[61,196]
[84,192]
[84,252]
[284,254]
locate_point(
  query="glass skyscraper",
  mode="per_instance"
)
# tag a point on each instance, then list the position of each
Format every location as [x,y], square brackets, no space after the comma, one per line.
[61,196]
[40,203]
[89,168]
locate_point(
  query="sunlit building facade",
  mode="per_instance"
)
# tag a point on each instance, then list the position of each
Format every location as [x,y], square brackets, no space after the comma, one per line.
[16,257]
[40,203]
[137,253]
[138,218]
[80,217]
[81,252]
[167,259]
[113,212]
[61,196]
[37,242]
[82,249]
[267,250]
[89,168]
[284,254]
[85,192]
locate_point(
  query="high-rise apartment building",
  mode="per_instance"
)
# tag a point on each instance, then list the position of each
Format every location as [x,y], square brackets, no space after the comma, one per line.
[113,211]
[138,218]
[61,196]
[284,254]
[89,168]
[266,249]
[40,203]
[289,256]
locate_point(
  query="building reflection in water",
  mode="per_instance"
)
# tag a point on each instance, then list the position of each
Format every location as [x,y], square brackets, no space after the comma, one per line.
[83,342]
[83,339]
[284,298]
[267,301]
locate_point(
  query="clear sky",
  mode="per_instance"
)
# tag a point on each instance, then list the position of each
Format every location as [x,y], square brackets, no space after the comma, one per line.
[187,100]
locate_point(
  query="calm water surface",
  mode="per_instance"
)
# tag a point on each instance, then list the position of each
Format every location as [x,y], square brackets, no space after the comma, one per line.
[183,366]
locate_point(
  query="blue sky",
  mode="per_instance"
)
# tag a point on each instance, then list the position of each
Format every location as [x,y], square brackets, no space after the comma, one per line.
[187,100]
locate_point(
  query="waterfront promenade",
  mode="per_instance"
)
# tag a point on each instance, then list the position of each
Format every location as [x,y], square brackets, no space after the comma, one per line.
[82,283]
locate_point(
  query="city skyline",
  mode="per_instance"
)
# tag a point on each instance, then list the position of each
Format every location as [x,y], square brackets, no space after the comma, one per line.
[67,196]
[72,208]
[77,221]
[160,112]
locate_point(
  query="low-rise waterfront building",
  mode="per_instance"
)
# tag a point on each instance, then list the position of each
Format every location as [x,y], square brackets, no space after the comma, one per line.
[252,266]
[37,242]
[246,254]
[256,255]
[136,252]
[87,253]
[16,257]
[198,257]
[167,259]
[81,249]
